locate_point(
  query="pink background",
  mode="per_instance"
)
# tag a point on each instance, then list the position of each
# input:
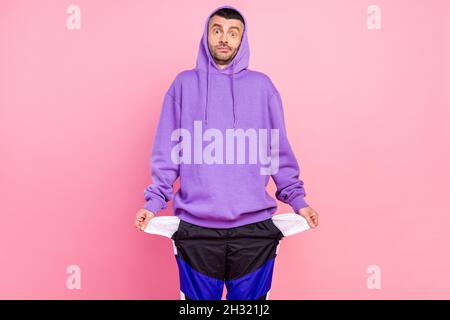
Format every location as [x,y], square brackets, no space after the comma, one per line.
[367,113]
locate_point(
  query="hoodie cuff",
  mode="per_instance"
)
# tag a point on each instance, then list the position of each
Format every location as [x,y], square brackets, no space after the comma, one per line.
[153,206]
[299,203]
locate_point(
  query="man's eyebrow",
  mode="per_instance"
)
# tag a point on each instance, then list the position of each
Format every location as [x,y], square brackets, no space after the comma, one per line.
[218,25]
[238,29]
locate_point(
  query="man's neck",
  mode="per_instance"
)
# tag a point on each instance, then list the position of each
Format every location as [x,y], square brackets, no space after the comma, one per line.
[220,65]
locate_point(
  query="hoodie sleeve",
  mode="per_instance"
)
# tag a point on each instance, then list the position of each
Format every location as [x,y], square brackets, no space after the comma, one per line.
[289,187]
[164,171]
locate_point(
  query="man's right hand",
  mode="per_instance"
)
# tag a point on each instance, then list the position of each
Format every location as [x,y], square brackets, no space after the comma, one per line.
[143,217]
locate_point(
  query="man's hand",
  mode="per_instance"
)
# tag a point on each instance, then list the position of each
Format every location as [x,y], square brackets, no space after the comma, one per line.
[143,217]
[310,215]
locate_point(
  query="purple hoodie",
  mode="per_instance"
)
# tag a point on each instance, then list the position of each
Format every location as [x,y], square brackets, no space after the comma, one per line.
[219,187]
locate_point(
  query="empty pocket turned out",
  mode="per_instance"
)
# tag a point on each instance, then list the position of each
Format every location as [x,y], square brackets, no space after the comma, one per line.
[290,223]
[164,226]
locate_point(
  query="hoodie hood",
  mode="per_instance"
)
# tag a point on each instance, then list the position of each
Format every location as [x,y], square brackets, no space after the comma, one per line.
[206,62]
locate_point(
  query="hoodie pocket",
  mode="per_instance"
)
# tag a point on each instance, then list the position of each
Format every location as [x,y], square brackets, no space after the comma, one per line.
[165,226]
[290,223]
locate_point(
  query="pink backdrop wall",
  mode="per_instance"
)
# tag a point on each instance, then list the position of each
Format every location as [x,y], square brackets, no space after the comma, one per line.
[367,114]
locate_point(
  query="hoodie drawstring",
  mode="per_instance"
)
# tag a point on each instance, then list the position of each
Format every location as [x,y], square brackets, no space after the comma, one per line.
[207,92]
[232,90]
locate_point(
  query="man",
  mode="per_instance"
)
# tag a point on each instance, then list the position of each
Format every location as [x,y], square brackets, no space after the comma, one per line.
[226,234]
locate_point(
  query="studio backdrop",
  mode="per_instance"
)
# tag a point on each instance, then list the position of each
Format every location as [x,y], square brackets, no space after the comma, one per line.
[366,95]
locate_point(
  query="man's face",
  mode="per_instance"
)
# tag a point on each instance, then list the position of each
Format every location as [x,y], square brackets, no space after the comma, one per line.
[224,38]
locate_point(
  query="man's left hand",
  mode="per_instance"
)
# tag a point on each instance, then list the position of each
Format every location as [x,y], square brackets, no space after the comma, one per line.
[310,215]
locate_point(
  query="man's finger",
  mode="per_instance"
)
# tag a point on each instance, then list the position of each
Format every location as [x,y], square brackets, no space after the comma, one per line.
[145,223]
[137,223]
[315,219]
[140,218]
[309,220]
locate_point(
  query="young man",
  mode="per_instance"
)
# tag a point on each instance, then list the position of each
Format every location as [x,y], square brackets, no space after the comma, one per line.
[217,120]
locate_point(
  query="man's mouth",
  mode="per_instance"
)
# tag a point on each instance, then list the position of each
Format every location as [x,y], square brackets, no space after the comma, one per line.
[223,49]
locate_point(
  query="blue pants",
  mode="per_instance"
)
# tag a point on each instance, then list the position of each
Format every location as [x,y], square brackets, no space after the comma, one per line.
[241,258]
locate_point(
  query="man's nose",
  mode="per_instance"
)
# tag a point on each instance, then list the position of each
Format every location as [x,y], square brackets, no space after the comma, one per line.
[224,39]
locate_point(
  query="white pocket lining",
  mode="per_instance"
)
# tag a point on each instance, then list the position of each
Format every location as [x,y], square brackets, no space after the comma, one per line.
[290,223]
[164,226]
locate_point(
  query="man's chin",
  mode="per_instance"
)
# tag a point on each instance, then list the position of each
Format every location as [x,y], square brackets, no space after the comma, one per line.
[222,60]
